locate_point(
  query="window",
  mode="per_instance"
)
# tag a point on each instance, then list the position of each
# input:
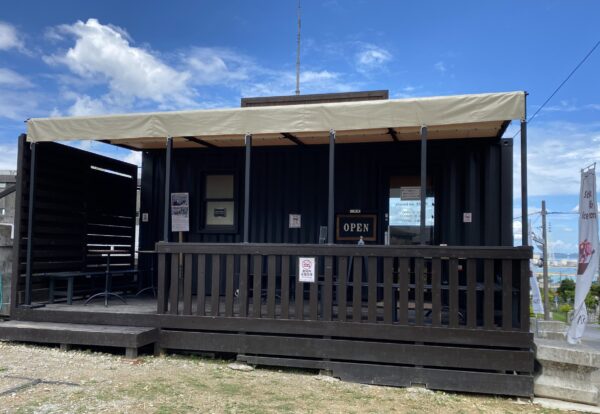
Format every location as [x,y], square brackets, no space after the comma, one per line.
[405,211]
[219,202]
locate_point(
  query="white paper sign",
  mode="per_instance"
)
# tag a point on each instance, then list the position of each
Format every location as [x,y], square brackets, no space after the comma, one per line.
[180,212]
[467,217]
[295,221]
[410,193]
[588,253]
[306,269]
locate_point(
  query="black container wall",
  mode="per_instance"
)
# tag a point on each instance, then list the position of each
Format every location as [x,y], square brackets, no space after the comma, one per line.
[473,175]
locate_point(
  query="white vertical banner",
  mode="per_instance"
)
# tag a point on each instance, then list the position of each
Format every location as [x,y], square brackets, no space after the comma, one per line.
[536,300]
[536,296]
[588,253]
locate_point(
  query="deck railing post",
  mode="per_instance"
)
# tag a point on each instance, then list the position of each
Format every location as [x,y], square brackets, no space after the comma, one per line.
[331,195]
[30,218]
[167,188]
[423,181]
[524,237]
[248,142]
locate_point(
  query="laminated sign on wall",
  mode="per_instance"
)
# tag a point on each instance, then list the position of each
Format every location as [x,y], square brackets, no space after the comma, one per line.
[180,212]
[306,269]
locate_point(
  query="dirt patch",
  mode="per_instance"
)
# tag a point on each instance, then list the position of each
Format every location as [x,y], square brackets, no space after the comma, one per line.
[82,382]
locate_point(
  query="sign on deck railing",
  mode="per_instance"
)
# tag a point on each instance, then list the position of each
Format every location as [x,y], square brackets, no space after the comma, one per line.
[306,269]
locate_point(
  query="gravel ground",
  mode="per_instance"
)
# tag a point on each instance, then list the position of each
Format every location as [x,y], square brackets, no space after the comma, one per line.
[80,381]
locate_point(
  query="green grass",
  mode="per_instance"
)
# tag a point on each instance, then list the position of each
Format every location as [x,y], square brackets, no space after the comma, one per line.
[559,316]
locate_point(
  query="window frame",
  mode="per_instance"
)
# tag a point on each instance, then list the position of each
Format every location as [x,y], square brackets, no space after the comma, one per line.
[204,200]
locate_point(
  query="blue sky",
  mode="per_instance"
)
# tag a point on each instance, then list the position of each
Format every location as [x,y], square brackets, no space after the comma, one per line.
[76,58]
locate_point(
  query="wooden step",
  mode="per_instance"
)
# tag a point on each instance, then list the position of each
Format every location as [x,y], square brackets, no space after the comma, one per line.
[65,334]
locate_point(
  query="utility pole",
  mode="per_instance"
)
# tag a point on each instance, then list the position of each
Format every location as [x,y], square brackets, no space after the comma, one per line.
[545,262]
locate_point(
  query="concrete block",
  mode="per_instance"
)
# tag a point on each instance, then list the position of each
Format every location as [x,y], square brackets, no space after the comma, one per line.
[548,329]
[568,372]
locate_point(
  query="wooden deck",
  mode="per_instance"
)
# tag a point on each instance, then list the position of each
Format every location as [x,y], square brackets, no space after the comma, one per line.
[133,306]
[129,337]
[147,306]
[447,318]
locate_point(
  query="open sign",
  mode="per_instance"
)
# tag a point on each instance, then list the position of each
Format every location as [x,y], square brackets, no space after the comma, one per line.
[351,227]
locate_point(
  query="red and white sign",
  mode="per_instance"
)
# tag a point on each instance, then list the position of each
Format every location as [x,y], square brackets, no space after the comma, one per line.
[588,253]
[306,269]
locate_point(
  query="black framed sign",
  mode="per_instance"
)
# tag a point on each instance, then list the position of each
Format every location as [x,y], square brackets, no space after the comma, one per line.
[350,227]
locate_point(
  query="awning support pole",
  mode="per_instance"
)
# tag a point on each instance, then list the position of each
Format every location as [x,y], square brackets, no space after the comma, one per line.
[524,213]
[169,155]
[29,264]
[331,196]
[423,182]
[248,141]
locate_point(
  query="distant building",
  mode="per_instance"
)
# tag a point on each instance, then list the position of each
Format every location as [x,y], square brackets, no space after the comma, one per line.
[8,178]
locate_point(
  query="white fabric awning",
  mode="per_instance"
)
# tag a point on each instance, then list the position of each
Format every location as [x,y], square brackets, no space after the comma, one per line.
[460,116]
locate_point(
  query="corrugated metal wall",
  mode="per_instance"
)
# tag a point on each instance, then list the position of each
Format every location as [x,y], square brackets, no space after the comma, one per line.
[473,175]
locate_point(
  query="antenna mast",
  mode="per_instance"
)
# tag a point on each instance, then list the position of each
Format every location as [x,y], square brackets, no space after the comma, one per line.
[298,55]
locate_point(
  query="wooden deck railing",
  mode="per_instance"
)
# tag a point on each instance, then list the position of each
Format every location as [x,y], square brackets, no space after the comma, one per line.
[454,287]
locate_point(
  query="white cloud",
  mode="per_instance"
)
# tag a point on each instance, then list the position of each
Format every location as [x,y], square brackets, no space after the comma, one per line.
[11,79]
[276,83]
[562,106]
[106,150]
[137,78]
[132,73]
[224,67]
[9,38]
[8,157]
[17,102]
[570,106]
[209,66]
[134,157]
[320,76]
[17,105]
[561,245]
[556,153]
[213,66]
[108,72]
[517,227]
[85,105]
[408,91]
[371,57]
[440,67]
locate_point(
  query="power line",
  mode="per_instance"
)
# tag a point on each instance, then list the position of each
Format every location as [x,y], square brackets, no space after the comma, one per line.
[530,214]
[561,85]
[549,212]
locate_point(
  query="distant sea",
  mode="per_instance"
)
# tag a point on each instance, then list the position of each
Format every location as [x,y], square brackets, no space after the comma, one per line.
[557,273]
